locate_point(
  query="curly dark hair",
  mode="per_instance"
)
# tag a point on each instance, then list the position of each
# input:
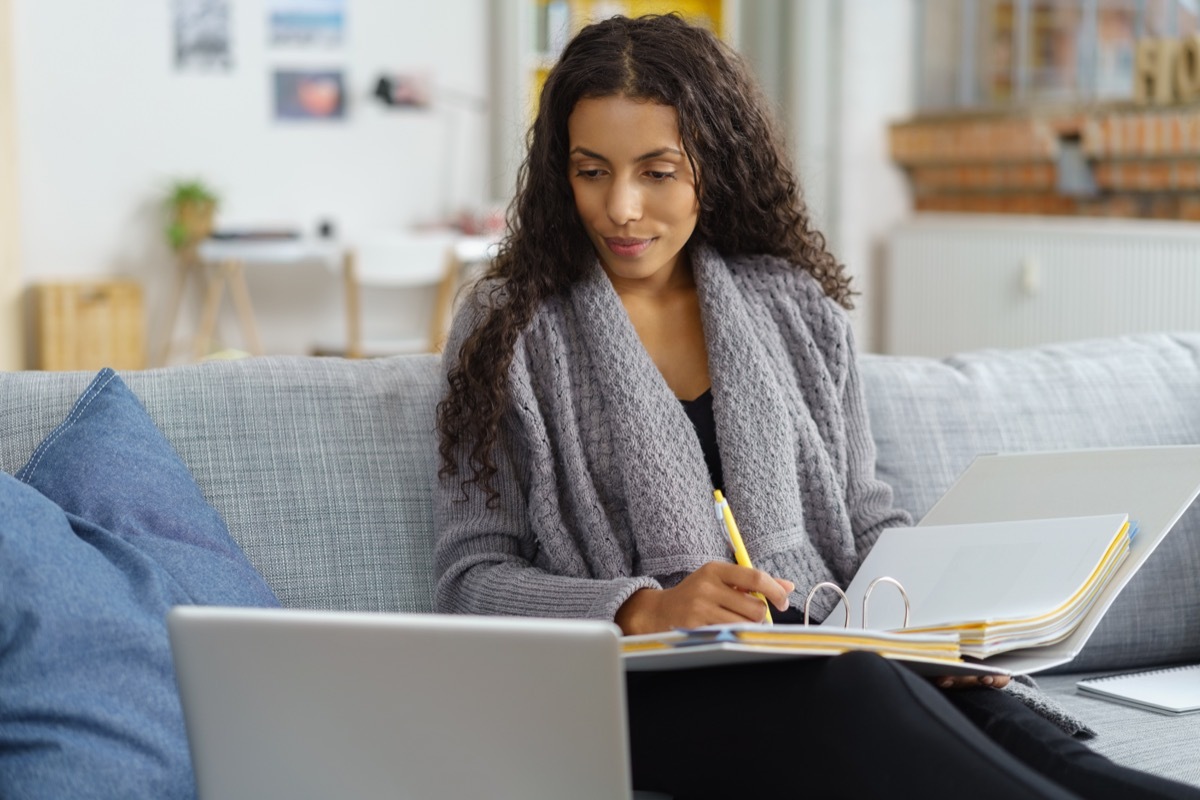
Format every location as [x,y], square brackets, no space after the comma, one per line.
[750,201]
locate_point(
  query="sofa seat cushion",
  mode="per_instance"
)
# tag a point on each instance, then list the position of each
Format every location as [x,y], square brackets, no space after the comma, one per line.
[931,417]
[1156,743]
[103,532]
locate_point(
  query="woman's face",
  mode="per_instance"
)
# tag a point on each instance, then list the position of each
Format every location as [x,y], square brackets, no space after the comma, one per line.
[634,186]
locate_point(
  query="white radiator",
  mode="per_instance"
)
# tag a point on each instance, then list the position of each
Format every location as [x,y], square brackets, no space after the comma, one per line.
[962,282]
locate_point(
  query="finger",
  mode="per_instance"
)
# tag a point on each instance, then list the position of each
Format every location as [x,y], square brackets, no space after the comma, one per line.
[719,616]
[968,681]
[779,595]
[748,579]
[788,588]
[748,607]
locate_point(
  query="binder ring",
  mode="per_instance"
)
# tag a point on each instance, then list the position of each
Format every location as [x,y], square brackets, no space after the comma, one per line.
[836,588]
[871,587]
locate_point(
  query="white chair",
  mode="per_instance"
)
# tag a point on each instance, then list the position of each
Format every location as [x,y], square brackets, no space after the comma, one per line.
[405,260]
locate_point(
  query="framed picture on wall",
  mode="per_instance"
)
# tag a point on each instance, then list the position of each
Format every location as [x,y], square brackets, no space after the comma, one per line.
[201,29]
[307,94]
[306,23]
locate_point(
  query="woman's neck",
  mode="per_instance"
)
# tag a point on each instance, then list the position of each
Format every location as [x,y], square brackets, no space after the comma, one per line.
[666,316]
[663,286]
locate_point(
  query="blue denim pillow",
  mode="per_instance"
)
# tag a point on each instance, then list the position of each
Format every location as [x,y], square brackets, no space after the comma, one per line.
[106,533]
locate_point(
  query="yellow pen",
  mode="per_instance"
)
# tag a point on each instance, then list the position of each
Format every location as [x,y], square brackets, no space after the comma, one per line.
[725,513]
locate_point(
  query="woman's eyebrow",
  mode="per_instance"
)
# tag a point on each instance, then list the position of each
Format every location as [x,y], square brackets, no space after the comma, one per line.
[583,151]
[659,153]
[662,151]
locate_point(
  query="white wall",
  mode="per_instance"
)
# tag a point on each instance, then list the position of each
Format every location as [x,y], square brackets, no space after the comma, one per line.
[841,72]
[104,122]
[876,70]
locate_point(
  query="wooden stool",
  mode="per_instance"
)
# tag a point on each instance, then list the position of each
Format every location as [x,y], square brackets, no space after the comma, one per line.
[230,272]
[213,279]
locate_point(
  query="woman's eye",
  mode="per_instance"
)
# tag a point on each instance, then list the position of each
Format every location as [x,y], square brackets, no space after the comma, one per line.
[660,176]
[590,174]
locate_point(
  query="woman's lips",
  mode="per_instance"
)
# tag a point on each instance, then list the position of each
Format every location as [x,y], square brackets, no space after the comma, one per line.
[627,248]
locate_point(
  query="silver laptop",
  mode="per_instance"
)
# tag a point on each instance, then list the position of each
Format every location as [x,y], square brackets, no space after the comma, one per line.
[306,704]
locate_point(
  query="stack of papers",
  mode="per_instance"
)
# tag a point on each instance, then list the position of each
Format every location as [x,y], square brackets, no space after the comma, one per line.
[931,653]
[1153,485]
[1000,586]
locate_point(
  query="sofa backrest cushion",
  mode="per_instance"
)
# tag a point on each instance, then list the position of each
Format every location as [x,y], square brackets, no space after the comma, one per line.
[931,417]
[321,468]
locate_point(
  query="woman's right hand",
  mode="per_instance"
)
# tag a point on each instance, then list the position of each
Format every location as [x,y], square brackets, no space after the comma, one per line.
[716,593]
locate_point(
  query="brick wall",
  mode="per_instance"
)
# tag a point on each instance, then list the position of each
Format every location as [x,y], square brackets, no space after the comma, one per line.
[1135,162]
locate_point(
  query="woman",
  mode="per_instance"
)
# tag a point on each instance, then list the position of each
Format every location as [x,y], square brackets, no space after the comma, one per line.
[663,320]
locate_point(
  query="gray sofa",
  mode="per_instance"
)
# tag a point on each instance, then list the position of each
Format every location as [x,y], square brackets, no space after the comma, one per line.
[322,468]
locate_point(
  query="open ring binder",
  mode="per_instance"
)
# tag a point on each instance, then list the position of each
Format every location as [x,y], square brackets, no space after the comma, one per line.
[931,653]
[866,599]
[827,585]
[871,588]
[959,568]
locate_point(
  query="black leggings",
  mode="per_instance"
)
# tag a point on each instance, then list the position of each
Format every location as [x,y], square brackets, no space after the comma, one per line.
[856,726]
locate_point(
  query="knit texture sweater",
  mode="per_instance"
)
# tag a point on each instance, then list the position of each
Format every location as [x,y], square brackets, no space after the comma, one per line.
[603,485]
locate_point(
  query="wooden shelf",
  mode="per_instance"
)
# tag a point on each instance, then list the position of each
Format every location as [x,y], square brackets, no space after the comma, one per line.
[89,325]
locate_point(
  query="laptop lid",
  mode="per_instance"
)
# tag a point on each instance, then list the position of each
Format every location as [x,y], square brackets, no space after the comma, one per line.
[299,704]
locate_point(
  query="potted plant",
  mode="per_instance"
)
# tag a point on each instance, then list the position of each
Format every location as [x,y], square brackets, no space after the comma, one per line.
[192,204]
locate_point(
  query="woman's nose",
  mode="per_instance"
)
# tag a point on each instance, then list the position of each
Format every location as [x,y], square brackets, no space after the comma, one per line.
[624,203]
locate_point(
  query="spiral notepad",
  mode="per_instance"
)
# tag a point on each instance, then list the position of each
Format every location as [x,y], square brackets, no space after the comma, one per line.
[1168,691]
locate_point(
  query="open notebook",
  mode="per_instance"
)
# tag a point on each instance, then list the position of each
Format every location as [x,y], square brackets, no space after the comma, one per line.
[1036,543]
[1168,691]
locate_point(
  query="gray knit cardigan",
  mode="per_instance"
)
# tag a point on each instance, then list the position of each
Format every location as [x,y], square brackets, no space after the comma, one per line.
[603,485]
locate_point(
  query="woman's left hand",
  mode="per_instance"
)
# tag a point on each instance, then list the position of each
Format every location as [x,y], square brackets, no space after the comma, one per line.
[970,681]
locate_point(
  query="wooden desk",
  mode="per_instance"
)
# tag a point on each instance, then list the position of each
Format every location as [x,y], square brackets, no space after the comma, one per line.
[217,263]
[394,258]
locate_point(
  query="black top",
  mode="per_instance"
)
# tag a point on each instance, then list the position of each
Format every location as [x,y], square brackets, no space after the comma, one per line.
[700,412]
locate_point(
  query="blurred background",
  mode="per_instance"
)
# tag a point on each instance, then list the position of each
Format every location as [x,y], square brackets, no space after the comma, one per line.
[189,179]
